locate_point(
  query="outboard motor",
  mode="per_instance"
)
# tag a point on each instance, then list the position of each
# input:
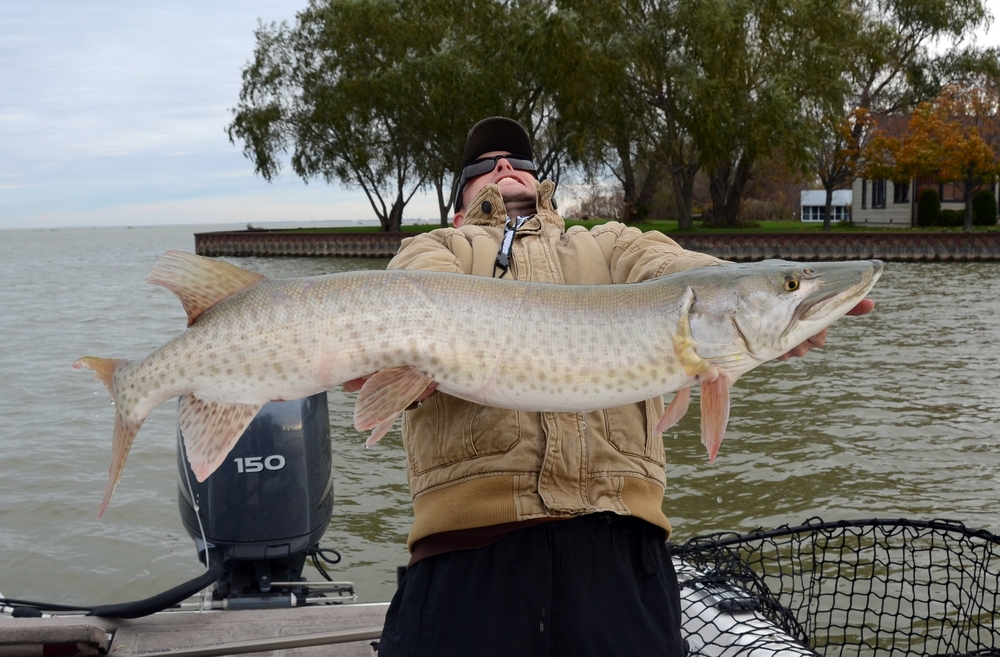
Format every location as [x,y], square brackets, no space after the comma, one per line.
[268,504]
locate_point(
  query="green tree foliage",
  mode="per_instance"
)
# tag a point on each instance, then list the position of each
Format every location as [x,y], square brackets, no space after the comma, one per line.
[760,66]
[336,89]
[928,208]
[379,94]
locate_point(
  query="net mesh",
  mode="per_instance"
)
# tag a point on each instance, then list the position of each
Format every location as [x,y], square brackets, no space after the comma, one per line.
[864,587]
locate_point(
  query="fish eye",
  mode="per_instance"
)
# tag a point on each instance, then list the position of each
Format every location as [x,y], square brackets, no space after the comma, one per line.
[791,284]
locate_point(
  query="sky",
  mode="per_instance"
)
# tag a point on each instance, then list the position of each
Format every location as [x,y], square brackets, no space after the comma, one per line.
[113,112]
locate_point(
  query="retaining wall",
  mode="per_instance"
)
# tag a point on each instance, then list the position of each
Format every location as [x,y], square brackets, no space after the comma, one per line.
[890,246]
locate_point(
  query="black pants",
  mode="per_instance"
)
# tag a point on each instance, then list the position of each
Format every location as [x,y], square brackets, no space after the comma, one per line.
[595,585]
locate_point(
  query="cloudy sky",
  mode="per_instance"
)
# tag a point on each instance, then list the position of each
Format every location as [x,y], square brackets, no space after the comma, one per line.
[113,112]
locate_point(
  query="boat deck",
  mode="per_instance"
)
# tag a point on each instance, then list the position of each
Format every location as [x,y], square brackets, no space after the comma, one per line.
[298,632]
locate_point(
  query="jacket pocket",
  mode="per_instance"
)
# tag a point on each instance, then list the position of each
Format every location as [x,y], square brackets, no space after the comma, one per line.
[630,430]
[446,430]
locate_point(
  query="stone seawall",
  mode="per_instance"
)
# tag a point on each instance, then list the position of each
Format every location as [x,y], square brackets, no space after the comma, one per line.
[889,246]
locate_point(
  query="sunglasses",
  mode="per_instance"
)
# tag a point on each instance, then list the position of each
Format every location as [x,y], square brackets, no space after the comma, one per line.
[485,165]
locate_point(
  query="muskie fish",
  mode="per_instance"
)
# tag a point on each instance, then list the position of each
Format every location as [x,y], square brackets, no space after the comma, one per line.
[512,344]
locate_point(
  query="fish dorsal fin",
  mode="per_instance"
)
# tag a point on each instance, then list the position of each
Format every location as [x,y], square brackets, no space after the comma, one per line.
[199,282]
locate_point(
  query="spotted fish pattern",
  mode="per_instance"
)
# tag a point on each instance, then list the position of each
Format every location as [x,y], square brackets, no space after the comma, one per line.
[511,344]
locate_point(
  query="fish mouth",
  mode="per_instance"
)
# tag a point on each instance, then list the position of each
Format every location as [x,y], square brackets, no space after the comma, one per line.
[840,290]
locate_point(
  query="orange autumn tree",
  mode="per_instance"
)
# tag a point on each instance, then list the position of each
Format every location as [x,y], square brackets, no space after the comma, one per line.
[955,139]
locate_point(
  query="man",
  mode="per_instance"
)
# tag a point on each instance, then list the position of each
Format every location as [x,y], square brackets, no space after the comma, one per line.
[534,533]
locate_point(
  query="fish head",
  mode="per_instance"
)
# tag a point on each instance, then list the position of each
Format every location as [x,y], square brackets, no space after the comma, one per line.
[759,311]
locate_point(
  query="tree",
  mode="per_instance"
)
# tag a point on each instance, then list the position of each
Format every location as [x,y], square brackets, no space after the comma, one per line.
[955,138]
[840,154]
[380,94]
[889,68]
[335,90]
[759,67]
[611,128]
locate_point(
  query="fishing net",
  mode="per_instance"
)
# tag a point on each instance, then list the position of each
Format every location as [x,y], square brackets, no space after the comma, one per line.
[865,587]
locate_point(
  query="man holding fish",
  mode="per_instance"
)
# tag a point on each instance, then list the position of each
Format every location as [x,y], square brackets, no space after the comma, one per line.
[539,533]
[534,450]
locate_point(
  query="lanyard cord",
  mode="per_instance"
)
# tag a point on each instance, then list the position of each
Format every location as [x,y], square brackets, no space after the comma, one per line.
[503,256]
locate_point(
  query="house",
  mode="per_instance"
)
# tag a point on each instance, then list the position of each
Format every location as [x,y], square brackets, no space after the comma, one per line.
[813,205]
[887,203]
[881,202]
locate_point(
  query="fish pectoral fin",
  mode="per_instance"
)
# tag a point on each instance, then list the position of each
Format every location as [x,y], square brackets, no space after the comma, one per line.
[199,282]
[121,442]
[677,409]
[210,431]
[380,429]
[384,396]
[715,411]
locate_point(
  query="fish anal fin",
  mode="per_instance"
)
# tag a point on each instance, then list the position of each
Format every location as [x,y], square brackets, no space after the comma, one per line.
[199,282]
[103,369]
[210,431]
[385,395]
[677,409]
[121,442]
[715,411]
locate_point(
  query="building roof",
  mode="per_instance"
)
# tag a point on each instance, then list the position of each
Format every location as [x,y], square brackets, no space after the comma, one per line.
[818,197]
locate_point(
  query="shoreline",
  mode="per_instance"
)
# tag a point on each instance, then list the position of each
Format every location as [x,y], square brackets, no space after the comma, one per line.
[896,246]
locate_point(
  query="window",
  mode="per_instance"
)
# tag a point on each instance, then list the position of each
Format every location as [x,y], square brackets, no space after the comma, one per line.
[901,192]
[864,193]
[950,192]
[818,212]
[878,193]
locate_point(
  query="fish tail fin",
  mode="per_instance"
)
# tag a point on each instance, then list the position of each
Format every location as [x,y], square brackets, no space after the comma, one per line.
[121,443]
[104,371]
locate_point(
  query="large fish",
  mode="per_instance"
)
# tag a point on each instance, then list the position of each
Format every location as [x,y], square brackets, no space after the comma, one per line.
[512,344]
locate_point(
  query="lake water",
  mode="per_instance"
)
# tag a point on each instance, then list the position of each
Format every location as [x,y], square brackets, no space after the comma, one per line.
[897,416]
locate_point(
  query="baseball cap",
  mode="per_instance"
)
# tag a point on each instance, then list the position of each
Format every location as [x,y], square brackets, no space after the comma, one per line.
[496,133]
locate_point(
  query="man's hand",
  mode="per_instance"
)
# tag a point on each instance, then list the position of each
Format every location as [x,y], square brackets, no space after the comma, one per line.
[818,340]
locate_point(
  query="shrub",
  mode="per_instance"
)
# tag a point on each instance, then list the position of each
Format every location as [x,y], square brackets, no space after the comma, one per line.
[753,211]
[984,209]
[951,218]
[928,208]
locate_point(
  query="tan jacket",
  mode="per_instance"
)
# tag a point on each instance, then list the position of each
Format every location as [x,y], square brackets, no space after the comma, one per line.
[473,466]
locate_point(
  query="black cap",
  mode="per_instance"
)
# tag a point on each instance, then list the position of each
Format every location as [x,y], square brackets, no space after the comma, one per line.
[496,133]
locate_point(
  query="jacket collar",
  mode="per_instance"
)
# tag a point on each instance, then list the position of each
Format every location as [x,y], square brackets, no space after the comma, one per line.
[487,208]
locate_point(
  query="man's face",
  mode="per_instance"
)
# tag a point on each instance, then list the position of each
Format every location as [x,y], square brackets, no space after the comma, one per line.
[513,184]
